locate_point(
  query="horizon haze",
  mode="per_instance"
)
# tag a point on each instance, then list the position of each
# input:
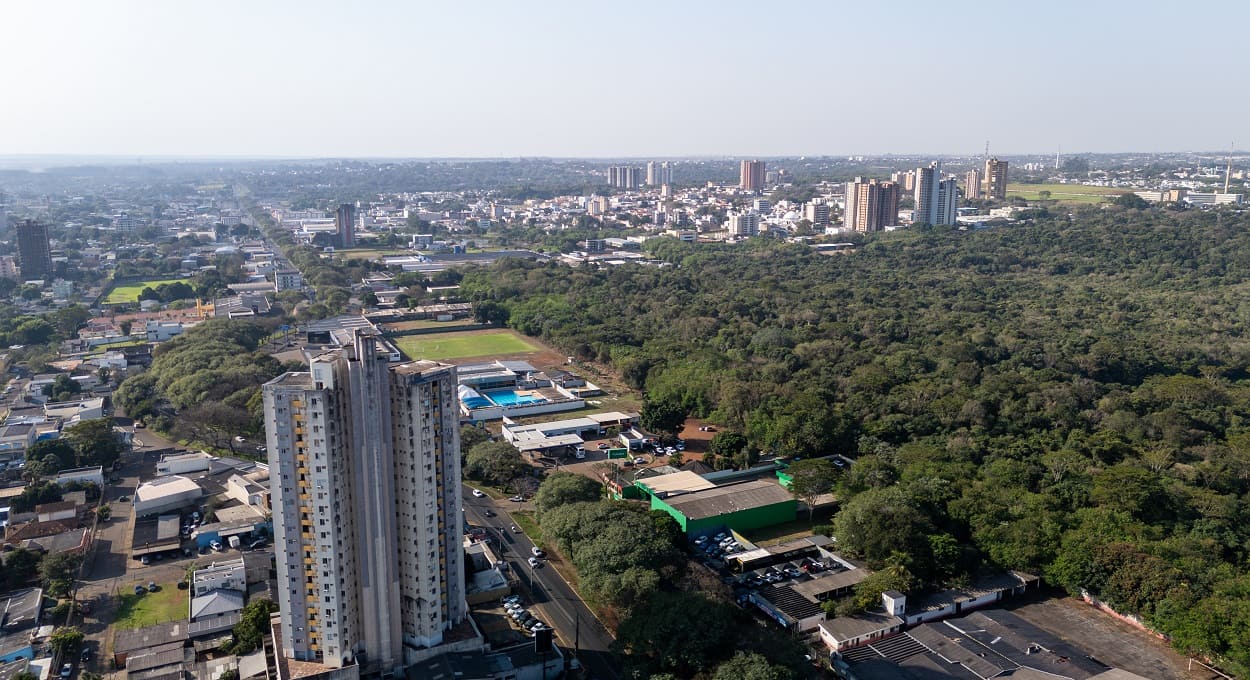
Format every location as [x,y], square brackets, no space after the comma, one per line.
[392,80]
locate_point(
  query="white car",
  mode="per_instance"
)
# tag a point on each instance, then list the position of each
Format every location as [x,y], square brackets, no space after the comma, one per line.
[478,494]
[640,461]
[538,552]
[534,563]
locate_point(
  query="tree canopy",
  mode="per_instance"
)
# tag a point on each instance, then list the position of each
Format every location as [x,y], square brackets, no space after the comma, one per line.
[1068,395]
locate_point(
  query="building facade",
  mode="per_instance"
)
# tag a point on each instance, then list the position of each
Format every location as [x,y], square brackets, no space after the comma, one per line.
[624,177]
[751,175]
[345,223]
[659,174]
[871,205]
[926,194]
[744,223]
[947,209]
[972,184]
[994,179]
[361,453]
[33,252]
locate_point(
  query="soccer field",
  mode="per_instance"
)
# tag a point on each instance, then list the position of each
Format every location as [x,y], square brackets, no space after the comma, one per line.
[460,345]
[129,292]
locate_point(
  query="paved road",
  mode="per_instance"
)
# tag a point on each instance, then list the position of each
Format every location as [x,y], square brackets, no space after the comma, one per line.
[563,609]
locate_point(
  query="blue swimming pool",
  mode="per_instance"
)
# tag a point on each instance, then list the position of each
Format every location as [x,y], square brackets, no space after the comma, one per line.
[512,398]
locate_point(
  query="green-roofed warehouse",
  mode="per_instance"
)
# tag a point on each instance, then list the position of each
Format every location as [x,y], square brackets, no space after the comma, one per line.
[701,507]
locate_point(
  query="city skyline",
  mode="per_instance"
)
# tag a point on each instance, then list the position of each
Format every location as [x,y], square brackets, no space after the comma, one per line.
[496,81]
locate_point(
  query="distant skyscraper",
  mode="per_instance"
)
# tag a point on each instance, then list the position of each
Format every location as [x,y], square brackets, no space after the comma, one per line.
[995,179]
[751,175]
[33,253]
[345,221]
[972,184]
[659,174]
[871,205]
[947,208]
[926,194]
[364,459]
[625,177]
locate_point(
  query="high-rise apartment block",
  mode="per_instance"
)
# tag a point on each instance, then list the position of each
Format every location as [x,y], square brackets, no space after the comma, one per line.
[659,174]
[936,199]
[345,222]
[33,252]
[819,214]
[744,223]
[625,177]
[947,209]
[365,485]
[751,175]
[926,193]
[972,184]
[995,179]
[871,205]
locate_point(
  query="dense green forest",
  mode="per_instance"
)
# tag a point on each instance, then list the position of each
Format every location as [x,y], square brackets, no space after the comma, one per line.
[1067,396]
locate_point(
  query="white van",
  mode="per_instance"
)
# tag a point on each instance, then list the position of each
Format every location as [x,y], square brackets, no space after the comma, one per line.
[579,452]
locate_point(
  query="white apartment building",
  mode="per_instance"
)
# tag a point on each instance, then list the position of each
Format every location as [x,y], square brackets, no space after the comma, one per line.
[362,452]
[744,223]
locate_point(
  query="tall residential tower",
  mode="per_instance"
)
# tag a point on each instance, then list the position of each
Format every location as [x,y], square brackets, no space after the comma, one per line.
[33,253]
[871,205]
[365,482]
[995,179]
[751,176]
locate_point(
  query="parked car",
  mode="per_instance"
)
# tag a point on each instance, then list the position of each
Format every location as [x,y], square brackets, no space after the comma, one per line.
[538,552]
[145,560]
[700,540]
[85,656]
[511,598]
[478,494]
[534,563]
[152,587]
[640,461]
[216,545]
[603,447]
[517,499]
[257,544]
[515,530]
[67,670]
[139,590]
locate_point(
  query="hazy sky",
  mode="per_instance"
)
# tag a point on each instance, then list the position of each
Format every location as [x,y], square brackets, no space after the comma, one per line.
[639,78]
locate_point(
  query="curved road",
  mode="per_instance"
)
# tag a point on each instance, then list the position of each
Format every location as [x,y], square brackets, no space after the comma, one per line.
[563,609]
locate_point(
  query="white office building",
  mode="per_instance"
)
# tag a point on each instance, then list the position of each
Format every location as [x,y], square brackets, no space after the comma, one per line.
[362,453]
[744,223]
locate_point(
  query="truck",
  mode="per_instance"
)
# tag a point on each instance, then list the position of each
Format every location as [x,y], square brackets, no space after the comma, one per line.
[234,542]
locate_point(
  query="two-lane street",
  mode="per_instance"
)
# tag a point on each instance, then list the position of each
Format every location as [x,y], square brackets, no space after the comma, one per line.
[565,612]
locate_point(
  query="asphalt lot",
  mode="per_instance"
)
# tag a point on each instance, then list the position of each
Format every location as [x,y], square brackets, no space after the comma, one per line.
[547,594]
[1109,640]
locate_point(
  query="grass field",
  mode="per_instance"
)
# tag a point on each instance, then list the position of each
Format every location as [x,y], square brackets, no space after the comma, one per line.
[421,324]
[460,345]
[1064,193]
[129,292]
[149,609]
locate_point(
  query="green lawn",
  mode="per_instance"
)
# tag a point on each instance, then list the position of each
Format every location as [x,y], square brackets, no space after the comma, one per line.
[129,292]
[149,609]
[460,345]
[525,522]
[1064,193]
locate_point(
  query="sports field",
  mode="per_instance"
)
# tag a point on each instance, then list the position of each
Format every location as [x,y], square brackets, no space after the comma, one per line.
[129,292]
[1064,193]
[460,345]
